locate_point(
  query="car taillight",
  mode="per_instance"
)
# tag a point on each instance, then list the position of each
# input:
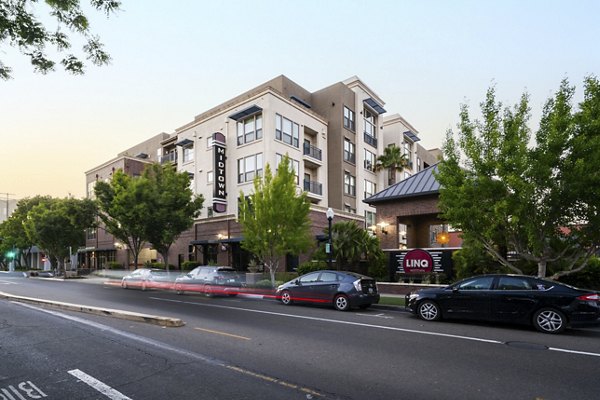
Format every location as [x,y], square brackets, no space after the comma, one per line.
[357,285]
[589,297]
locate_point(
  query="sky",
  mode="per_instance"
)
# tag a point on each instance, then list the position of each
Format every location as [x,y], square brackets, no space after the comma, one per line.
[174,60]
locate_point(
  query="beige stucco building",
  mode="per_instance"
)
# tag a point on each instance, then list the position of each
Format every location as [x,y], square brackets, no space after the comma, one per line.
[332,136]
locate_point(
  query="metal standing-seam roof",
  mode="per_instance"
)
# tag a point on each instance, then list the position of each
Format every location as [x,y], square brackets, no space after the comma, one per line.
[422,183]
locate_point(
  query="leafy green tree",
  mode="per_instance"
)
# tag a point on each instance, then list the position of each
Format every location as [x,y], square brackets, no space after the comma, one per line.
[274,218]
[12,231]
[57,225]
[124,207]
[173,206]
[536,199]
[21,28]
[393,160]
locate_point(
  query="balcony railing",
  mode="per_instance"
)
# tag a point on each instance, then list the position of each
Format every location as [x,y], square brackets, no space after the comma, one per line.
[370,140]
[169,157]
[312,151]
[313,187]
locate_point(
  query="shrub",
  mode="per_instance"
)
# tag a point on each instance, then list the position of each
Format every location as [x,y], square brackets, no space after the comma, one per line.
[311,266]
[266,284]
[189,265]
[588,278]
[115,265]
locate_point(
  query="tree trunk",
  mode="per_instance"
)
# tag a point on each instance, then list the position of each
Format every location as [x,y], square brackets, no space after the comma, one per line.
[542,264]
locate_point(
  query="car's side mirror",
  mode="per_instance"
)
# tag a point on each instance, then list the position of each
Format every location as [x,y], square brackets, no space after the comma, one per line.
[455,289]
[297,282]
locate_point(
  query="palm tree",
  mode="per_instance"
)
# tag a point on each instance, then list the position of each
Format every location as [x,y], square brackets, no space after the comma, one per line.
[351,244]
[393,160]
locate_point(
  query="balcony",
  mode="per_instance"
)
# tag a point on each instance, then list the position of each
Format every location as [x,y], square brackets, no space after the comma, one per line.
[370,140]
[169,157]
[313,187]
[312,155]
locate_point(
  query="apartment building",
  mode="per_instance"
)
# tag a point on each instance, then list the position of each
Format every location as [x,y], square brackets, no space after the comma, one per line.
[332,136]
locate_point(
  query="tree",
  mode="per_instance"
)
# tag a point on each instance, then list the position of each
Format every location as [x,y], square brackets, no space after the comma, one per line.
[274,218]
[124,207]
[12,231]
[173,207]
[540,199]
[393,160]
[57,225]
[21,28]
[352,244]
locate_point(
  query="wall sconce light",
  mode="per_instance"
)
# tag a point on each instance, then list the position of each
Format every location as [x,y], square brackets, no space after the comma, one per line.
[383,226]
[442,238]
[220,236]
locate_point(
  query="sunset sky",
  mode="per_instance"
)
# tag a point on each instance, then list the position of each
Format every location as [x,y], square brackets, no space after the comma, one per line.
[173,60]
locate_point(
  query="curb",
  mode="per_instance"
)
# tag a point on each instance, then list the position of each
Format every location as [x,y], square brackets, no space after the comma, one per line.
[121,314]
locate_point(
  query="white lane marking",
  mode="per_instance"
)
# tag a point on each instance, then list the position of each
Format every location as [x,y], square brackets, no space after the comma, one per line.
[376,316]
[389,328]
[99,386]
[7,283]
[335,321]
[166,347]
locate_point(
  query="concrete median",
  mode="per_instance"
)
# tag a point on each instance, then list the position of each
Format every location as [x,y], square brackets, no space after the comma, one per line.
[107,312]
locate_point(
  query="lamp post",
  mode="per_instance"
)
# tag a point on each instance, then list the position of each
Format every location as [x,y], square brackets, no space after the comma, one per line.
[330,214]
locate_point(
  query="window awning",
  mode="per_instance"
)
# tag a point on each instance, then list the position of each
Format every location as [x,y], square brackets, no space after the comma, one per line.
[412,136]
[375,105]
[245,113]
[184,142]
[142,155]
[299,100]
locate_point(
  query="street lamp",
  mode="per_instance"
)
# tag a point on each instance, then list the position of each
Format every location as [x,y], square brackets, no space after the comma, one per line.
[330,214]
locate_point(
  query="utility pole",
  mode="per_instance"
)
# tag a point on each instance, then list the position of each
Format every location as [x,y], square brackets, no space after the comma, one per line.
[7,203]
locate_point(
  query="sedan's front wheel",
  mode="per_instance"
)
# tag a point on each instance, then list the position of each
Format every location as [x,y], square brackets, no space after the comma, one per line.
[286,297]
[549,320]
[429,311]
[341,302]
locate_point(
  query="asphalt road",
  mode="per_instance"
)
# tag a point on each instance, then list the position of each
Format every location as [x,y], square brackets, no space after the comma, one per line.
[239,348]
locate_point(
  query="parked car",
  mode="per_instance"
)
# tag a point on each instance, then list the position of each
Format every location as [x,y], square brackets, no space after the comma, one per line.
[548,306]
[342,289]
[146,278]
[210,280]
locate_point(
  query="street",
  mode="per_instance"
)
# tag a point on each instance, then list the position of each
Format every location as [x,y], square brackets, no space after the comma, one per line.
[248,348]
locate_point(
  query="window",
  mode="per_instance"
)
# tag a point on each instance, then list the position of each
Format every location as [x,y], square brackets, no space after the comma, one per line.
[369,219]
[188,153]
[370,188]
[287,131]
[481,283]
[295,165]
[210,177]
[408,146]
[349,152]
[370,127]
[349,119]
[209,212]
[329,277]
[249,129]
[513,283]
[349,184]
[370,160]
[349,209]
[310,278]
[249,167]
[402,236]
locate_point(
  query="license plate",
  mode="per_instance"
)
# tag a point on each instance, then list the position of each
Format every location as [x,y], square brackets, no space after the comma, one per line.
[370,290]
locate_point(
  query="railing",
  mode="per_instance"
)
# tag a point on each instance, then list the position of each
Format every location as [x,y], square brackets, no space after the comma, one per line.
[169,157]
[313,187]
[371,140]
[350,157]
[312,151]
